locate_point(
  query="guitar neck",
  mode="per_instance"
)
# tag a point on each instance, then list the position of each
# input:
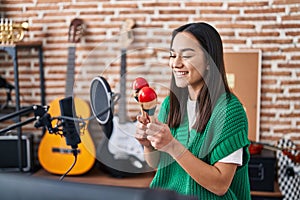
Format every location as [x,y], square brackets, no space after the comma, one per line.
[122,101]
[125,40]
[70,71]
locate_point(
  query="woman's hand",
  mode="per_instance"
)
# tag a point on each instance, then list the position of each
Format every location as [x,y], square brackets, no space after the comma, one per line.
[160,137]
[141,128]
[151,155]
[158,134]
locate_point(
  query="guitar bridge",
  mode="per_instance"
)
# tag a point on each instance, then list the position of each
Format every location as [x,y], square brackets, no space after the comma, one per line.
[64,151]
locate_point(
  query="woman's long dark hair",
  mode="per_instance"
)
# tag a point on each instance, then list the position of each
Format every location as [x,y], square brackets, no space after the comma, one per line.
[215,82]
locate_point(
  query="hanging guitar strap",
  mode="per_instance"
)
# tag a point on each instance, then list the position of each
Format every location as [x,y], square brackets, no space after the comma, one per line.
[8,87]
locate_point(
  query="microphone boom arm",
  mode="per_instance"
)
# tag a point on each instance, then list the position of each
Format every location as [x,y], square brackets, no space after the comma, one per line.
[38,111]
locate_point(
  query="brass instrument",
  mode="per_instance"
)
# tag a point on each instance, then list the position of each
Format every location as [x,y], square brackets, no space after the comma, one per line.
[10,32]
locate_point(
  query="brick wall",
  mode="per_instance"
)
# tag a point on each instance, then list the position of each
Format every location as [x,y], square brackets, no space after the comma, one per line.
[273,26]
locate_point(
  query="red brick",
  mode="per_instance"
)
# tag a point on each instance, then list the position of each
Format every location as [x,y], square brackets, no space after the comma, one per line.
[274,57]
[289,98]
[213,18]
[278,73]
[290,66]
[161,4]
[203,4]
[281,26]
[272,90]
[276,123]
[287,130]
[177,12]
[284,2]
[235,26]
[294,90]
[292,33]
[256,18]
[265,11]
[219,11]
[295,9]
[119,5]
[273,41]
[247,4]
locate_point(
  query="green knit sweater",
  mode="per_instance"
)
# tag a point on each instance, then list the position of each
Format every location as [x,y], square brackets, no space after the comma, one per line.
[225,133]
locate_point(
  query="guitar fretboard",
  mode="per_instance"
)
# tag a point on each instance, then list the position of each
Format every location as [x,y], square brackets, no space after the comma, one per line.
[122,102]
[70,71]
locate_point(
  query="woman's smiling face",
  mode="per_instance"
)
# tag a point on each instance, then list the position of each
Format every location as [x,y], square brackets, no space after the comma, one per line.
[188,61]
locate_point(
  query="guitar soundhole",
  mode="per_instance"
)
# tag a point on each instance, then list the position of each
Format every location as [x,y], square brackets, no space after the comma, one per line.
[64,151]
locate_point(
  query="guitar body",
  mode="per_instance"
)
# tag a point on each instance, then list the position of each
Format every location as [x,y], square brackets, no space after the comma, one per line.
[55,155]
[121,154]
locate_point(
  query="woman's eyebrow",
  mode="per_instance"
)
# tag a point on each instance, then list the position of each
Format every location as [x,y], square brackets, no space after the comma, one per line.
[184,50]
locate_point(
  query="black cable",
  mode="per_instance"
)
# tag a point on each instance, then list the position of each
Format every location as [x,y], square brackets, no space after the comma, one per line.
[75,153]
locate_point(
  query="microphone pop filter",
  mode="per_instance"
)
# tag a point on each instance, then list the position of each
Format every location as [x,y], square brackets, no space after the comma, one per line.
[101,100]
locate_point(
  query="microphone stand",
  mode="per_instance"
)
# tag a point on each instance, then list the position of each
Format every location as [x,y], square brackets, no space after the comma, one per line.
[39,111]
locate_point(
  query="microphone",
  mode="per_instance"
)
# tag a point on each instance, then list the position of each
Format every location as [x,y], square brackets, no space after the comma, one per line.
[70,129]
[45,120]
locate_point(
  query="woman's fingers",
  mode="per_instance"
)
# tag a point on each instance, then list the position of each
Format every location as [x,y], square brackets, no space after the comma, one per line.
[140,132]
[155,128]
[157,133]
[153,141]
[142,119]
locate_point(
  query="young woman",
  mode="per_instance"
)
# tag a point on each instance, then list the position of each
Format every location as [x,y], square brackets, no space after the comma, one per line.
[199,141]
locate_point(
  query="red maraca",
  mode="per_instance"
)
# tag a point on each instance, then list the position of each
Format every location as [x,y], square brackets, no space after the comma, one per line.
[148,100]
[138,84]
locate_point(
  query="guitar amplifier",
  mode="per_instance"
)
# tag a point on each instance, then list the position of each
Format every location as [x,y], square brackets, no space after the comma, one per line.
[262,171]
[9,153]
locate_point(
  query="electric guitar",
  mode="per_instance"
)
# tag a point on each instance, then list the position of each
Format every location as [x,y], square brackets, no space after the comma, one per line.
[125,150]
[288,169]
[55,156]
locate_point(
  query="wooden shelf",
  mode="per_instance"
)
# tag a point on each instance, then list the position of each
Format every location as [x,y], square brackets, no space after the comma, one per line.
[96,176]
[276,192]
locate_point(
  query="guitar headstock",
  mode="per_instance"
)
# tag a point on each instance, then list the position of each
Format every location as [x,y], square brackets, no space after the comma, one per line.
[126,33]
[76,30]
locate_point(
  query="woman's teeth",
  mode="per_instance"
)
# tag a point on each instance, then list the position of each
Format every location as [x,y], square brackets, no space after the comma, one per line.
[181,73]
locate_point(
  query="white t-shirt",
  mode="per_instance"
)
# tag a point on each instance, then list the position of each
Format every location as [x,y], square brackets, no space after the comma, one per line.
[235,157]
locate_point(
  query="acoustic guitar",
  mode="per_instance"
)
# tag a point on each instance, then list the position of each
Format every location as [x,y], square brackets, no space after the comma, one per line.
[55,156]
